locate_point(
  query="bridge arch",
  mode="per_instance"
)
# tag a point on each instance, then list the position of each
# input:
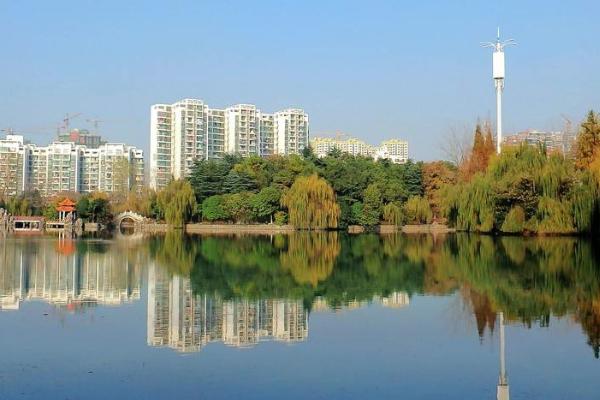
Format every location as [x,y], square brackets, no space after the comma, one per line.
[130,217]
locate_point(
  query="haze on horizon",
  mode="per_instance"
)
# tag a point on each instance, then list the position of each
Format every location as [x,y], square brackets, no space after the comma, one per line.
[373,70]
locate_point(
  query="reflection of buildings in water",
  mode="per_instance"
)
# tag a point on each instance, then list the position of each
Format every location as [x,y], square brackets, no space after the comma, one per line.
[39,271]
[179,319]
[393,300]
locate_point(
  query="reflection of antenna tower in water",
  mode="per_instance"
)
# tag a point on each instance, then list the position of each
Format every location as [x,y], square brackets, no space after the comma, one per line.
[502,393]
[498,75]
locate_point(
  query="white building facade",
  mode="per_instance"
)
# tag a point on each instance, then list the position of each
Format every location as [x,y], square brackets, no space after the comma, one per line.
[395,150]
[67,167]
[189,130]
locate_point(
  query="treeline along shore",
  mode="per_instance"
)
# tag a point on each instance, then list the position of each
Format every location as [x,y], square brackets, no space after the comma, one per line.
[524,190]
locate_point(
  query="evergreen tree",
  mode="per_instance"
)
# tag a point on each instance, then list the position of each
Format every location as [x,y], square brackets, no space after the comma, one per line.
[207,177]
[237,182]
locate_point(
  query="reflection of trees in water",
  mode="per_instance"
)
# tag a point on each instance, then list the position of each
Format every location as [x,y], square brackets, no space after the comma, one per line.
[175,252]
[310,256]
[588,315]
[528,279]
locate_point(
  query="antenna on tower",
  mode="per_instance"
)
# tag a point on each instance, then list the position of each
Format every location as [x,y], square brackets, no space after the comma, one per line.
[498,73]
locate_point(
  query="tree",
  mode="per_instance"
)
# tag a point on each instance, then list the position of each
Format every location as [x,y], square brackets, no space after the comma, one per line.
[207,177]
[417,211]
[588,141]
[514,221]
[392,214]
[311,203]
[371,206]
[82,207]
[437,175]
[237,206]
[212,209]
[265,203]
[481,153]
[99,209]
[237,182]
[177,202]
[356,212]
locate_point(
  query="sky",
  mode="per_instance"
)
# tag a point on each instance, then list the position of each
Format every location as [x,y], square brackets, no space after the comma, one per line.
[371,69]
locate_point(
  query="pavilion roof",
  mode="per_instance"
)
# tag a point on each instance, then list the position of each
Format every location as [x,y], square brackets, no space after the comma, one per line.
[67,202]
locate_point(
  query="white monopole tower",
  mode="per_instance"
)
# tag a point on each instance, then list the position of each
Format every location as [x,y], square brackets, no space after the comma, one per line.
[498,75]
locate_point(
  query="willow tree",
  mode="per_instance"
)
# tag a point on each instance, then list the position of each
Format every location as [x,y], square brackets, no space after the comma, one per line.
[311,203]
[177,202]
[392,213]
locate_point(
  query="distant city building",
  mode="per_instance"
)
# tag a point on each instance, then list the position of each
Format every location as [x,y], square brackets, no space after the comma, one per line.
[190,130]
[553,141]
[82,137]
[395,150]
[68,167]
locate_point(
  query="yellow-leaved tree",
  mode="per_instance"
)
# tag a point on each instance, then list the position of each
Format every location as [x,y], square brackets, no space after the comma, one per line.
[311,204]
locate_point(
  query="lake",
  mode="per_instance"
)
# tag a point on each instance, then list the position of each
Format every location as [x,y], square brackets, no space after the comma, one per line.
[300,316]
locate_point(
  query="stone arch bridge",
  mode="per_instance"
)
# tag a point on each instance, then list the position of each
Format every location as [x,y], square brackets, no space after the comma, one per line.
[128,217]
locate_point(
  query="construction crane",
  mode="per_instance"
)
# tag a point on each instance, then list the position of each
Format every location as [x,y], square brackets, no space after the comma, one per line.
[8,131]
[95,123]
[67,122]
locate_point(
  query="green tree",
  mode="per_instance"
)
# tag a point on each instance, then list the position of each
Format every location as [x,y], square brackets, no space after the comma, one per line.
[207,177]
[356,212]
[265,203]
[417,210]
[371,206]
[515,221]
[311,203]
[392,214]
[237,182]
[178,202]
[82,207]
[237,206]
[212,209]
[99,210]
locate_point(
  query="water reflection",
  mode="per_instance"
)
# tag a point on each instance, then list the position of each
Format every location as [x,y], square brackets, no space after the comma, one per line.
[187,321]
[242,290]
[68,274]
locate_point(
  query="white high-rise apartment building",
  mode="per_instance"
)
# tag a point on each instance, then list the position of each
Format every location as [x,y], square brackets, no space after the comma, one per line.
[189,130]
[242,124]
[160,145]
[291,131]
[322,146]
[67,167]
[12,166]
[395,150]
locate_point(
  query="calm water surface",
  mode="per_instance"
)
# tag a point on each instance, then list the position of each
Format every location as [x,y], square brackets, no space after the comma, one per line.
[305,316]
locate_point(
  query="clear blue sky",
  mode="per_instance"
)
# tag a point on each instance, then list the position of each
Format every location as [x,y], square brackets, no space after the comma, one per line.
[372,69]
